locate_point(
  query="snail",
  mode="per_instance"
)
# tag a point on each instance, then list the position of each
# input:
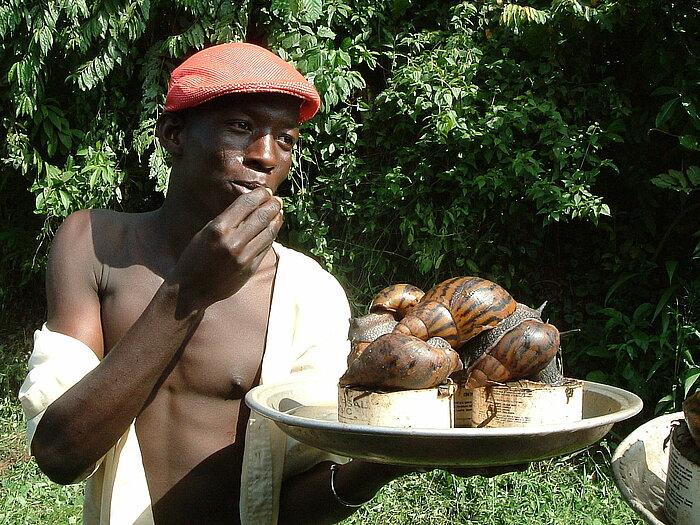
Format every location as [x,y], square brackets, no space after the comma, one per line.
[691,411]
[387,307]
[495,338]
[398,361]
[455,310]
[520,346]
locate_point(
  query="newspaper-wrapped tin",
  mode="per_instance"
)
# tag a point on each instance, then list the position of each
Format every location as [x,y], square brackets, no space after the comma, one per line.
[527,403]
[682,497]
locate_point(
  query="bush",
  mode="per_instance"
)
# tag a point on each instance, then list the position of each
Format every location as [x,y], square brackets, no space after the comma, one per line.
[552,147]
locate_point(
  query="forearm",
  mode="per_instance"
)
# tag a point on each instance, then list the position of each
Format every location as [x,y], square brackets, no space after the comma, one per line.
[85,422]
[307,499]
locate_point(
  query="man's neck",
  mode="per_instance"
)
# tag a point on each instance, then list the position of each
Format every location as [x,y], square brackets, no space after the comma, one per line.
[177,222]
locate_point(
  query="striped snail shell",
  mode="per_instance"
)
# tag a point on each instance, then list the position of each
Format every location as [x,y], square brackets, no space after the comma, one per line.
[398,361]
[522,351]
[397,298]
[457,310]
[485,341]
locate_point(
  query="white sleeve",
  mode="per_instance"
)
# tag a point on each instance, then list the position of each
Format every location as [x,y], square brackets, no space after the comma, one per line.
[56,364]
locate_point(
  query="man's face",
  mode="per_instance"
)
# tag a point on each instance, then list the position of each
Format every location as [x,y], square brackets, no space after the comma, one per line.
[235,143]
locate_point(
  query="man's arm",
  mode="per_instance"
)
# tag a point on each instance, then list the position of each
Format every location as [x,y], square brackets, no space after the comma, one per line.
[84,423]
[307,499]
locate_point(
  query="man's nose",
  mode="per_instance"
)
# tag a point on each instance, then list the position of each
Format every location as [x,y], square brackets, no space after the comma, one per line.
[261,154]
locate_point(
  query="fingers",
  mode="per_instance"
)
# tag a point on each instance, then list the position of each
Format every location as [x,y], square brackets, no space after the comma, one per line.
[247,204]
[248,226]
[257,248]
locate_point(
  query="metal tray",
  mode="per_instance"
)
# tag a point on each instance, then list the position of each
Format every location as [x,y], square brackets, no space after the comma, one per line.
[640,465]
[308,414]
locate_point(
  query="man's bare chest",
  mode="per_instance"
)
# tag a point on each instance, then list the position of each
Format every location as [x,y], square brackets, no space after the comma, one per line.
[222,357]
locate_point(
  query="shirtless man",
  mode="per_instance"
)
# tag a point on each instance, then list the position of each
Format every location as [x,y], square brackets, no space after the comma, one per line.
[175,305]
[160,322]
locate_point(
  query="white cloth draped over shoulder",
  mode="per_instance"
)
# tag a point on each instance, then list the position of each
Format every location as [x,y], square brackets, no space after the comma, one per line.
[307,338]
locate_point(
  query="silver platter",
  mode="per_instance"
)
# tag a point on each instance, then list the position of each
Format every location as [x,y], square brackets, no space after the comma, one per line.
[308,414]
[640,465]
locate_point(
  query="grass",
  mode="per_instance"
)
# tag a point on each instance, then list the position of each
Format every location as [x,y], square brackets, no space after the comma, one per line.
[576,490]
[26,495]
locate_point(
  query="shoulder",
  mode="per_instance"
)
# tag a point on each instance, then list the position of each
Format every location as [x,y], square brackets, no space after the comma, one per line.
[73,239]
[79,226]
[82,240]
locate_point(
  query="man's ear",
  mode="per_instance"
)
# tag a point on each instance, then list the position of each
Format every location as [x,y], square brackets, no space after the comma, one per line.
[169,128]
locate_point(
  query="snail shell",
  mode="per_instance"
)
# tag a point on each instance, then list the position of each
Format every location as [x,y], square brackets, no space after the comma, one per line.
[388,305]
[553,373]
[520,352]
[485,341]
[457,310]
[398,298]
[691,410]
[398,361]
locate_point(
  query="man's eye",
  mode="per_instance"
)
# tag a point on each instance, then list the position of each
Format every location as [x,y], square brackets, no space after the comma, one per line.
[287,139]
[239,124]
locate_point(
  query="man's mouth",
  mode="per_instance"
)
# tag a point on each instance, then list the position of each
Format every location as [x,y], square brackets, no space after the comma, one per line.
[244,186]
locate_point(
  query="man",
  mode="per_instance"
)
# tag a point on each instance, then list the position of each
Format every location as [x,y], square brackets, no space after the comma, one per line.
[160,322]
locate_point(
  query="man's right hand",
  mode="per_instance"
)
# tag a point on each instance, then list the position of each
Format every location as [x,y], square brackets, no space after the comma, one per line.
[221,257]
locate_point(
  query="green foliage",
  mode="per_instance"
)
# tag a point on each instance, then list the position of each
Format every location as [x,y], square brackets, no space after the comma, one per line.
[550,145]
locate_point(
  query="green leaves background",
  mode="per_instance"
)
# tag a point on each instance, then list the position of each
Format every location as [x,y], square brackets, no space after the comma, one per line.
[551,146]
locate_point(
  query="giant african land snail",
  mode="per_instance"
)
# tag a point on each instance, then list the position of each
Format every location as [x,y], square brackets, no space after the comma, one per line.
[466,327]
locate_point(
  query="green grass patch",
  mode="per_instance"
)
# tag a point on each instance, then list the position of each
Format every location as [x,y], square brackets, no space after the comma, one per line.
[578,490]
[27,496]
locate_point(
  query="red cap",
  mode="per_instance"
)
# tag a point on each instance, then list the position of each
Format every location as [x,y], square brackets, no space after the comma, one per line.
[238,68]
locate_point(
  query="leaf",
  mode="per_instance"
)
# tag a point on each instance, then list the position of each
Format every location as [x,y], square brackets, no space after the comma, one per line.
[619,283]
[325,32]
[689,141]
[310,10]
[693,173]
[689,107]
[671,269]
[655,367]
[666,112]
[663,301]
[691,379]
[65,198]
[597,376]
[665,90]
